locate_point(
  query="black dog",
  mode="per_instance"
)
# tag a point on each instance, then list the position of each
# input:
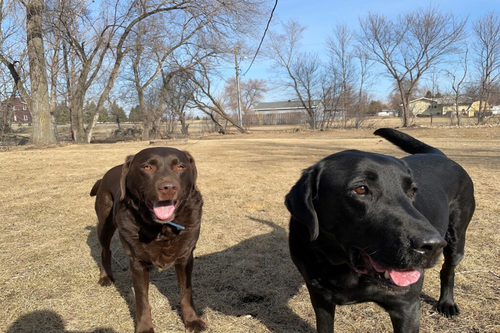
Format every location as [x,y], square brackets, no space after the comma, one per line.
[365,225]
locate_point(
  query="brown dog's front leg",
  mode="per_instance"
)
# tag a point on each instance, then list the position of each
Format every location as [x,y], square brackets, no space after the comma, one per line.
[140,280]
[192,321]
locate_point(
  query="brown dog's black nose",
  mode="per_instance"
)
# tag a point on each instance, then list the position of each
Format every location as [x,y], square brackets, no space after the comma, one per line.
[167,187]
[428,245]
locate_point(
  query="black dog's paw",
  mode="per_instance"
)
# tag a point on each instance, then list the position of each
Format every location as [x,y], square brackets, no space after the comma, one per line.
[196,326]
[448,309]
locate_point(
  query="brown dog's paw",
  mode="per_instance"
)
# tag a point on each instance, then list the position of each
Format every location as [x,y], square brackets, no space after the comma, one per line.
[106,281]
[149,330]
[195,326]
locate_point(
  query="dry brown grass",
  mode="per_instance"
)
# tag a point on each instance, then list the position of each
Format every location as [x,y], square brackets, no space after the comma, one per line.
[244,280]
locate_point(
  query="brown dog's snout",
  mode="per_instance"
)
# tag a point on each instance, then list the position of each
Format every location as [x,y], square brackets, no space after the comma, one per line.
[168,188]
[428,245]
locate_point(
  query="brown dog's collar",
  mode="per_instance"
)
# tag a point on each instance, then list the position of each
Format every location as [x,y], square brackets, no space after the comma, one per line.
[175,225]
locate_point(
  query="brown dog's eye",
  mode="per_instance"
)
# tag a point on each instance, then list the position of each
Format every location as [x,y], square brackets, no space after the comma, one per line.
[180,167]
[361,190]
[147,167]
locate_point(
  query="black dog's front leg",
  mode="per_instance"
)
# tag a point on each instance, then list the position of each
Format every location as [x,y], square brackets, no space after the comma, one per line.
[405,317]
[324,310]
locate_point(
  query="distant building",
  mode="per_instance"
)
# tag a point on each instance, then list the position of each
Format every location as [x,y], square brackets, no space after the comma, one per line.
[495,109]
[424,106]
[17,109]
[386,113]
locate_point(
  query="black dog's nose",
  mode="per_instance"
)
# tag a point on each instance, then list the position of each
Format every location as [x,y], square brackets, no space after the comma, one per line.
[428,245]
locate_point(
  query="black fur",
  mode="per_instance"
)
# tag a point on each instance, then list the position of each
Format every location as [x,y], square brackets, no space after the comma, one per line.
[357,214]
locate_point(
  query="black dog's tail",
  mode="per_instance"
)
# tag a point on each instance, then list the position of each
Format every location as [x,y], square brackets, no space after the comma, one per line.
[406,143]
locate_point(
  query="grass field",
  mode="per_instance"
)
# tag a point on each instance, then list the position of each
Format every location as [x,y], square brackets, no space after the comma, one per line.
[244,280]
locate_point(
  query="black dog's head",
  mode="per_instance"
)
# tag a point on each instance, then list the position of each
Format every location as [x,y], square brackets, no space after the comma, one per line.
[361,204]
[161,178]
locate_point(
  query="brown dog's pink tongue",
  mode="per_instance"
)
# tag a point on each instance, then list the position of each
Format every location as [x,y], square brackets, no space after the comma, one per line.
[404,278]
[164,210]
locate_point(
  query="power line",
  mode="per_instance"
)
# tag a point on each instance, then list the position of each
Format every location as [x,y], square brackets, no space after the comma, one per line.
[263,36]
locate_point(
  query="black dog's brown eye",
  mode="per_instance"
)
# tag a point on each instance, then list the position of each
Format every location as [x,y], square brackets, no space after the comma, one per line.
[361,190]
[147,167]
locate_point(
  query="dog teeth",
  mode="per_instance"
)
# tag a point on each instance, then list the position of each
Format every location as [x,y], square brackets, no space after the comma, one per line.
[387,275]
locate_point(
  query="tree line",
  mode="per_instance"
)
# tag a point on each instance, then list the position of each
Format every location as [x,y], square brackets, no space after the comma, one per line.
[77,59]
[158,53]
[424,44]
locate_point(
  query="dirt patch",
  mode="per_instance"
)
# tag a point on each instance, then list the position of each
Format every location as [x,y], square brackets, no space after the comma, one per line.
[244,280]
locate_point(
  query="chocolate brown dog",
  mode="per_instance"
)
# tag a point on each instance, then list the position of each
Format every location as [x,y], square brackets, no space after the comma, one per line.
[153,201]
[364,227]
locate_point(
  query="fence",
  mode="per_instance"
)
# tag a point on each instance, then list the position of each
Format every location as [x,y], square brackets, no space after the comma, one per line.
[109,132]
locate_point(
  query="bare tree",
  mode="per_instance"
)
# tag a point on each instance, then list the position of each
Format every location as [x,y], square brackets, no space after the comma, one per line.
[207,100]
[251,93]
[152,48]
[179,91]
[109,37]
[7,89]
[409,46]
[341,56]
[487,47]
[121,49]
[37,97]
[364,80]
[301,72]
[457,81]
[330,95]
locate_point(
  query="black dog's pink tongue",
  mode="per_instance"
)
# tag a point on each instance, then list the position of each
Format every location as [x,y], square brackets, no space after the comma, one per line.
[404,278]
[164,210]
[400,278]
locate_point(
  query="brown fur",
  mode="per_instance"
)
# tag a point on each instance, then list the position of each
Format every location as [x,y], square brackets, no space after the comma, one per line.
[124,201]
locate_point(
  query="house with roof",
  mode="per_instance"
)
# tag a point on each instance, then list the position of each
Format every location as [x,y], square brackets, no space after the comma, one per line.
[495,109]
[15,110]
[442,106]
[286,112]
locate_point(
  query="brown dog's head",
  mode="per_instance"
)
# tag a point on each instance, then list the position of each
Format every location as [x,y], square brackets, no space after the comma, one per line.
[161,178]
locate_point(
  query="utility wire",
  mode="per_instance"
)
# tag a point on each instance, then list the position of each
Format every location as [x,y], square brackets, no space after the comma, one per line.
[263,36]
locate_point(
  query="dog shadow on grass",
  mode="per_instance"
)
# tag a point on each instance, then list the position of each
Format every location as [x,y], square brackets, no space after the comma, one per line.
[255,278]
[45,321]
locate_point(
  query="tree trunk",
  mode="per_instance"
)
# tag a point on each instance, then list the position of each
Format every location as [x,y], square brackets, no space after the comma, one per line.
[54,73]
[184,125]
[76,109]
[39,104]
[69,94]
[405,116]
[104,95]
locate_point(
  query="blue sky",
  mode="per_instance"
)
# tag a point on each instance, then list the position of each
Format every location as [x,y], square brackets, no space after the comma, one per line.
[320,16]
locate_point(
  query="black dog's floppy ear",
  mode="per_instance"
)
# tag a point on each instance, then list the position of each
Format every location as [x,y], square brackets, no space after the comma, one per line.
[123,177]
[299,201]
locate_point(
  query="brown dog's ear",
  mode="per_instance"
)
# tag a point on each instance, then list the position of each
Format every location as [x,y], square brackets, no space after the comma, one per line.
[299,201]
[123,177]
[194,171]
